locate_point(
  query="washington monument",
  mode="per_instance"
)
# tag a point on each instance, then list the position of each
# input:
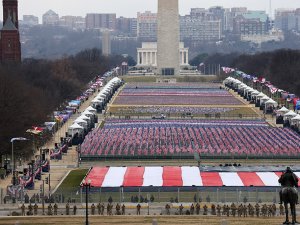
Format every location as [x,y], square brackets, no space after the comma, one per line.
[168,38]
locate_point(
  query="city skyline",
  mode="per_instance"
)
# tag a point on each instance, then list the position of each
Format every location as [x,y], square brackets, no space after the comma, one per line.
[129,8]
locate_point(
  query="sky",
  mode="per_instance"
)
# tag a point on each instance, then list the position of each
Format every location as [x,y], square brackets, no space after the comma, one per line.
[129,8]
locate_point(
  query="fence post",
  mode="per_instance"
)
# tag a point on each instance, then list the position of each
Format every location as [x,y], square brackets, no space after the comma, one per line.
[1,196]
[100,195]
[81,195]
[217,195]
[178,194]
[158,195]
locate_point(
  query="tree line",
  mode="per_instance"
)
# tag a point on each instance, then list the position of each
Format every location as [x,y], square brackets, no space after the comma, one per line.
[32,90]
[280,67]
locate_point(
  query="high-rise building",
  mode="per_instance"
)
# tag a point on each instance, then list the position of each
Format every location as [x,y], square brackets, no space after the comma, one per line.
[286,19]
[168,38]
[147,26]
[106,43]
[72,22]
[251,23]
[10,46]
[51,18]
[101,21]
[30,20]
[200,25]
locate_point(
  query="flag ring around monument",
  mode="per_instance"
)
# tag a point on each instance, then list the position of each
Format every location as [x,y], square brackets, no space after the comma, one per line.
[176,176]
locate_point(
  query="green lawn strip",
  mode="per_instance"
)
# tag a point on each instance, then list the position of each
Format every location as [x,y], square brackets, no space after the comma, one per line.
[73,180]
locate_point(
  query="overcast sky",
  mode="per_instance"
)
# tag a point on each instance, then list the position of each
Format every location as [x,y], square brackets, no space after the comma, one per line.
[129,8]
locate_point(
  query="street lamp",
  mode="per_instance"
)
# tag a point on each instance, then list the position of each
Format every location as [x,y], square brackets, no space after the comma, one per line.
[12,154]
[87,186]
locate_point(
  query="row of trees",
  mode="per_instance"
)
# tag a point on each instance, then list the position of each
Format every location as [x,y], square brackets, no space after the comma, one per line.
[281,67]
[32,90]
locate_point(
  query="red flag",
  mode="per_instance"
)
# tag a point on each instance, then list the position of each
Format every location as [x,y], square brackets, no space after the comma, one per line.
[35,130]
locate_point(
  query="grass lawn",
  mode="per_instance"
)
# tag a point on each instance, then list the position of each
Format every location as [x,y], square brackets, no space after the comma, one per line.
[73,179]
[140,220]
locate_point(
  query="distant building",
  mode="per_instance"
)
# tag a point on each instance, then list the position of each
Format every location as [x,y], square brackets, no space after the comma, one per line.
[218,13]
[10,46]
[147,26]
[72,22]
[273,35]
[51,18]
[106,43]
[251,23]
[287,19]
[30,20]
[147,55]
[101,21]
[200,25]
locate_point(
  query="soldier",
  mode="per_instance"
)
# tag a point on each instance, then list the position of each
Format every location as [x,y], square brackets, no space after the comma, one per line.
[123,209]
[35,209]
[30,209]
[102,209]
[192,208]
[281,210]
[118,208]
[180,209]
[245,211]
[197,208]
[93,209]
[264,210]
[251,210]
[99,208]
[50,210]
[224,210]
[23,209]
[138,209]
[108,209]
[274,209]
[167,207]
[269,210]
[227,210]
[257,209]
[213,209]
[233,209]
[67,209]
[205,210]
[74,210]
[55,207]
[218,210]
[240,210]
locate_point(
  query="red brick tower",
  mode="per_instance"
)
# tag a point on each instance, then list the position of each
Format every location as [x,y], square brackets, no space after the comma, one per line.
[10,48]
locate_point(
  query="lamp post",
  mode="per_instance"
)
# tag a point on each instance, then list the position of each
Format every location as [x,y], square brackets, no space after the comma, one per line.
[12,155]
[87,186]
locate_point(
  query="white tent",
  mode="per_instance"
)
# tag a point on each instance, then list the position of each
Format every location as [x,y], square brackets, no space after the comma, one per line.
[80,120]
[255,93]
[87,113]
[75,128]
[91,109]
[84,117]
[271,102]
[260,95]
[265,98]
[283,110]
[95,101]
[290,114]
[296,118]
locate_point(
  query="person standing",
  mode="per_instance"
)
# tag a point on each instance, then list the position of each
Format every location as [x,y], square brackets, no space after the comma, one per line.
[138,209]
[55,207]
[35,209]
[67,209]
[23,209]
[181,209]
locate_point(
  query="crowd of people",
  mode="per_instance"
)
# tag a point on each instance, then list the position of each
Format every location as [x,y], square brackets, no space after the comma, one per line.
[235,210]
